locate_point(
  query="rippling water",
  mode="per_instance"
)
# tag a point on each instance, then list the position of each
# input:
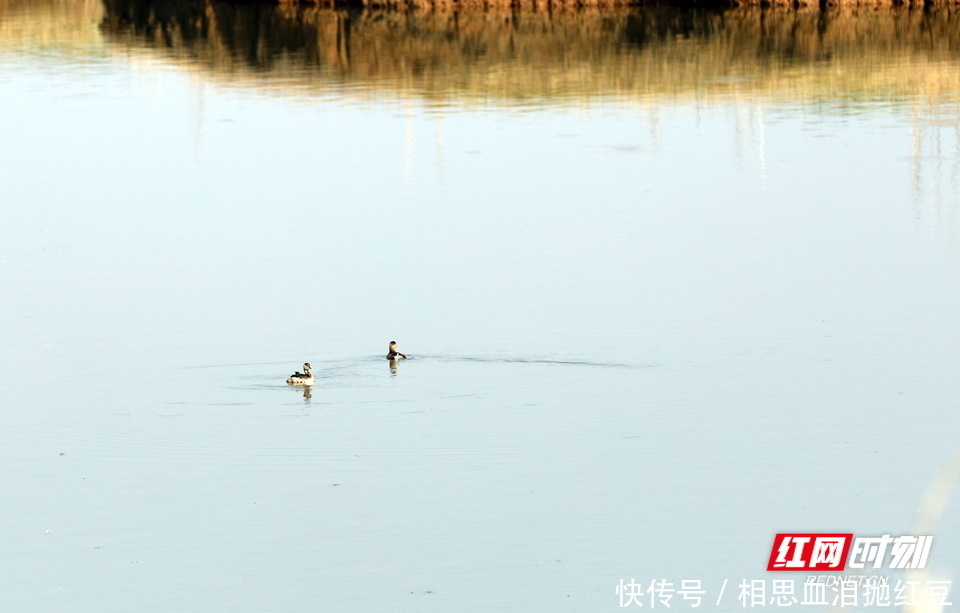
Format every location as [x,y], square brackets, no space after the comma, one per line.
[671,282]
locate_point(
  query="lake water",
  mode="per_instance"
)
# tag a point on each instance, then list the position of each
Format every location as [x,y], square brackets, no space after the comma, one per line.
[671,282]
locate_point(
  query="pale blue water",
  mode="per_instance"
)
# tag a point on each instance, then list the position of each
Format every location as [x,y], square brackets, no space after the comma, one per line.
[644,338]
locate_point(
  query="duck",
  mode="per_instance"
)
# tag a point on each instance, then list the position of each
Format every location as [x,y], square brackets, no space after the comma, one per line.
[393,354]
[301,378]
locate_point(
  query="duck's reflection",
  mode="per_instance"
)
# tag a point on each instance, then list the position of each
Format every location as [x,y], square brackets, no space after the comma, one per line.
[393,366]
[305,390]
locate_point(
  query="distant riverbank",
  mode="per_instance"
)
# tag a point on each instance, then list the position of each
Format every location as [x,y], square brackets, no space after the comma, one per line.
[568,57]
[552,5]
[564,55]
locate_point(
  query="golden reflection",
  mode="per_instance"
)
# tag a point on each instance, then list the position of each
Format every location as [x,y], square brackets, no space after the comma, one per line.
[393,366]
[841,56]
[51,24]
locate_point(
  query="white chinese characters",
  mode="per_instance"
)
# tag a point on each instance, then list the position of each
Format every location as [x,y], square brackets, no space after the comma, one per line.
[839,592]
[908,552]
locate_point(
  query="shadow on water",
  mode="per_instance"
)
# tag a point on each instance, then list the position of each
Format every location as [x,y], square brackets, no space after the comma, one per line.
[565,56]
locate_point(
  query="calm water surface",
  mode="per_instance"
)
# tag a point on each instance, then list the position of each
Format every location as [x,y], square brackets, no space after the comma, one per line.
[671,282]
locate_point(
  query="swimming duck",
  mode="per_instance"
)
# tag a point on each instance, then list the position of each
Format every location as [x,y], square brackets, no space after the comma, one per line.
[301,378]
[393,354]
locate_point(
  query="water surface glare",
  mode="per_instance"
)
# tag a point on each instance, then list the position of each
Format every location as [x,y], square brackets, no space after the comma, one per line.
[672,281]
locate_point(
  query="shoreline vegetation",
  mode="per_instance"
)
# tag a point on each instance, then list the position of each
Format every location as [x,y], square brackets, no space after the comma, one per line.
[518,55]
[540,5]
[842,56]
